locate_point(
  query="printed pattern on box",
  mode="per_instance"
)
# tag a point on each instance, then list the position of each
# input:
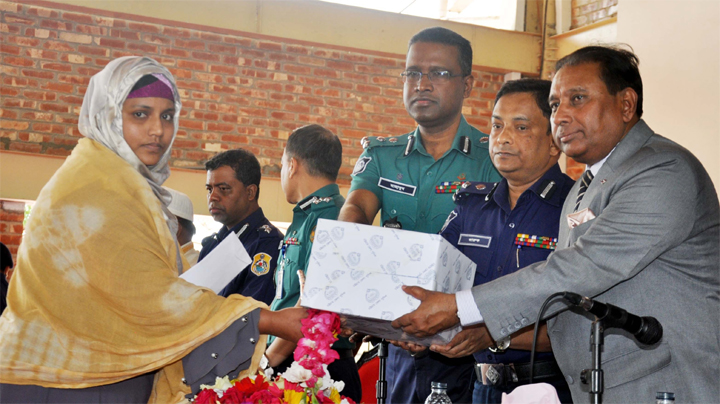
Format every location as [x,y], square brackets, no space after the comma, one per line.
[358,271]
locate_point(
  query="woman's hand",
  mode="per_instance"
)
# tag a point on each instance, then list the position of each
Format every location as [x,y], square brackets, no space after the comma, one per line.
[284,323]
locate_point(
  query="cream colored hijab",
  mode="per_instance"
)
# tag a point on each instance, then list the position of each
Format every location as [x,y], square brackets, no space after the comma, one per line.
[101,119]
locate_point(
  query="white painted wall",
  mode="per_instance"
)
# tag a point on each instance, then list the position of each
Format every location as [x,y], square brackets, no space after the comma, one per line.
[678,43]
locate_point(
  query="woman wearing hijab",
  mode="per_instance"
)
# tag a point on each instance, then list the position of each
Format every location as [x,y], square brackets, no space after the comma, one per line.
[96,311]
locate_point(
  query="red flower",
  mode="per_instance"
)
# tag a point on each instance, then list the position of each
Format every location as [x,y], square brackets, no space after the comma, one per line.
[233,396]
[207,396]
[248,387]
[264,397]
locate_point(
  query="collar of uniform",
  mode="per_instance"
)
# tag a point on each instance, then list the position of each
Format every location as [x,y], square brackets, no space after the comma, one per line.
[328,191]
[554,174]
[253,221]
[463,131]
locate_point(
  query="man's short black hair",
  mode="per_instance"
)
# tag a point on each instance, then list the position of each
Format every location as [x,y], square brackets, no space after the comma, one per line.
[187,225]
[540,89]
[319,150]
[447,37]
[243,162]
[618,68]
[5,257]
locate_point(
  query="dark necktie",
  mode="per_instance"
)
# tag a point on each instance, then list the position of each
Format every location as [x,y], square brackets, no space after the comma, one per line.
[584,184]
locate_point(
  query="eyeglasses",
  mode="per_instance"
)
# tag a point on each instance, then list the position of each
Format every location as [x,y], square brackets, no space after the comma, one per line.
[435,76]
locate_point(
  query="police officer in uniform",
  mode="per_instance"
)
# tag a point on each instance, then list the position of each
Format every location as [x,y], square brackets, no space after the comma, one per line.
[411,179]
[505,226]
[233,185]
[310,165]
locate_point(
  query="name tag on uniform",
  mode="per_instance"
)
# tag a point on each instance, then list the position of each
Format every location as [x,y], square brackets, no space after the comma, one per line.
[474,240]
[398,187]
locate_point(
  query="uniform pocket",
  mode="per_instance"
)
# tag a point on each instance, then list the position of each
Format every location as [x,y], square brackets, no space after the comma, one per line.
[632,365]
[402,206]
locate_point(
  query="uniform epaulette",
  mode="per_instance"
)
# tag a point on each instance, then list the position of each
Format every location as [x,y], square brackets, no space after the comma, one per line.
[468,188]
[373,141]
[265,231]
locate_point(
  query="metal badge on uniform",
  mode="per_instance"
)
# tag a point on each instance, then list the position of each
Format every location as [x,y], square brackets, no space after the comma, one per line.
[474,240]
[261,264]
[527,240]
[398,187]
[265,227]
[312,234]
[392,223]
[364,142]
[361,165]
[484,139]
[392,140]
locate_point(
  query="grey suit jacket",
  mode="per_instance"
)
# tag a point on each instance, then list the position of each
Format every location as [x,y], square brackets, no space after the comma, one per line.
[652,249]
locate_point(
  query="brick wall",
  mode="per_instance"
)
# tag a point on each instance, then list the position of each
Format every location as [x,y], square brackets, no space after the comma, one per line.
[238,89]
[12,214]
[586,12]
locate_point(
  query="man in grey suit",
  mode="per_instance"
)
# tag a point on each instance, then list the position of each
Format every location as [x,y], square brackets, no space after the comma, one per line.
[644,235]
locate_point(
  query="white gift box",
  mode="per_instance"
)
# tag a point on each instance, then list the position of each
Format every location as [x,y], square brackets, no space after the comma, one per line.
[358,270]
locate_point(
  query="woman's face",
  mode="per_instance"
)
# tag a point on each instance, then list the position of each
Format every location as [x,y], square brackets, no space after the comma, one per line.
[148,127]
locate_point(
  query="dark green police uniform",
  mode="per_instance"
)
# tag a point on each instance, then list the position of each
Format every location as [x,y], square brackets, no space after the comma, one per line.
[325,203]
[413,188]
[415,193]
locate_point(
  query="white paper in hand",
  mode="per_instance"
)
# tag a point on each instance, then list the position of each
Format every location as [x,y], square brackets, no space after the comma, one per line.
[219,267]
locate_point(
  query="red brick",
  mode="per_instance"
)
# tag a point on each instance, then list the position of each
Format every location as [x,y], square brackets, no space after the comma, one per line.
[187,124]
[369,126]
[38,74]
[15,19]
[387,81]
[158,40]
[58,46]
[179,53]
[274,46]
[8,239]
[23,147]
[339,65]
[55,108]
[81,18]
[359,134]
[91,30]
[312,100]
[88,71]
[232,50]
[151,29]
[264,85]
[131,35]
[327,54]
[37,116]
[340,84]
[17,61]
[297,69]
[297,49]
[10,50]
[311,61]
[385,62]
[253,112]
[12,29]
[55,151]
[297,108]
[326,92]
[206,36]
[341,122]
[183,33]
[362,78]
[369,69]
[22,41]
[368,89]
[223,69]
[42,12]
[385,101]
[8,92]
[195,45]
[208,57]
[220,127]
[186,144]
[312,81]
[112,43]
[282,57]
[71,99]
[192,65]
[143,47]
[356,58]
[238,41]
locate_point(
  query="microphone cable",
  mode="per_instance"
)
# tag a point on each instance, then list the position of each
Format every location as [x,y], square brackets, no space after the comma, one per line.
[535,332]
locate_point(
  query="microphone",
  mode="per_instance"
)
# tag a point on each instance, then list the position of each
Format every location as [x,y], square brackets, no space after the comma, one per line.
[647,330]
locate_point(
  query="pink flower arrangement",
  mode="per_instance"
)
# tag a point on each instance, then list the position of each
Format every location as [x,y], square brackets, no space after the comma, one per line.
[306,381]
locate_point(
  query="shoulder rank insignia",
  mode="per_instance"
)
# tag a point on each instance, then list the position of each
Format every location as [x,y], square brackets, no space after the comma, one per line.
[484,139]
[261,264]
[265,228]
[364,142]
[535,241]
[477,188]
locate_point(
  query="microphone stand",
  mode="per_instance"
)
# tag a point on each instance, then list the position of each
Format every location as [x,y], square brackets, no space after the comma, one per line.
[594,377]
[381,385]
